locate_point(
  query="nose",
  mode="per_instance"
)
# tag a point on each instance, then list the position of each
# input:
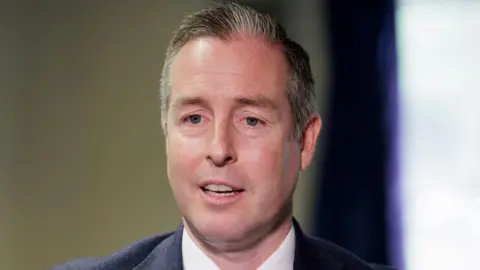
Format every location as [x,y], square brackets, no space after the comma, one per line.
[221,151]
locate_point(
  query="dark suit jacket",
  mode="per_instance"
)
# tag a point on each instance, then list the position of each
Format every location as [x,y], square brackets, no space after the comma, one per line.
[164,252]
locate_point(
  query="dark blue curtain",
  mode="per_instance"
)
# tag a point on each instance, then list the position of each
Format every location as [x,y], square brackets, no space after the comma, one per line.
[355,205]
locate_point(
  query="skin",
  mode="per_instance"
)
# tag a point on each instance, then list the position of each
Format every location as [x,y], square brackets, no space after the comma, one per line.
[229,119]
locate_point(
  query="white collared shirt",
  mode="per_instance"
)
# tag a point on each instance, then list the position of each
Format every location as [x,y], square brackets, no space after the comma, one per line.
[281,259]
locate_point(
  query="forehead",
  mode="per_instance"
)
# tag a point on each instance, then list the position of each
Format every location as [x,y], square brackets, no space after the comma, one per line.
[244,65]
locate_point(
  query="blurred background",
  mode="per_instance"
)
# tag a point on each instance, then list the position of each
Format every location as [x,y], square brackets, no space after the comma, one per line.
[396,178]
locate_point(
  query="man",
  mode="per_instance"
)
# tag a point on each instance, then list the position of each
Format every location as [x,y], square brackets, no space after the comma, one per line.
[240,122]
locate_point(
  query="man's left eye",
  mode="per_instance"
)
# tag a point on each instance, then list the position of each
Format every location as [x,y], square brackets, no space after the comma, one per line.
[252,121]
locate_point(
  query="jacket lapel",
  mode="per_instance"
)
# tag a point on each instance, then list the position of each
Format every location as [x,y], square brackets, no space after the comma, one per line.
[167,255]
[309,255]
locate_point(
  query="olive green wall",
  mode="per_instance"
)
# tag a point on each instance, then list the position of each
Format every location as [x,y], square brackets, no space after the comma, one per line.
[82,165]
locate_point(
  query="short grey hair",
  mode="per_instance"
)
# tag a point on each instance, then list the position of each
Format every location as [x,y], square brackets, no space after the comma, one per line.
[226,21]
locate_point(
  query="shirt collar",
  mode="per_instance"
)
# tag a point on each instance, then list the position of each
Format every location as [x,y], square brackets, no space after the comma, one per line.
[193,256]
[281,259]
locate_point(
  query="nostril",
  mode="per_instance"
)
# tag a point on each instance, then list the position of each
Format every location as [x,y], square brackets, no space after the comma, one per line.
[221,160]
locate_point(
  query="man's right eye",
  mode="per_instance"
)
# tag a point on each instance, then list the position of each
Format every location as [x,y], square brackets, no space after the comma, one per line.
[194,119]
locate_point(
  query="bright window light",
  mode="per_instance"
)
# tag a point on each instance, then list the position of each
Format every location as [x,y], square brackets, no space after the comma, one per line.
[439,57]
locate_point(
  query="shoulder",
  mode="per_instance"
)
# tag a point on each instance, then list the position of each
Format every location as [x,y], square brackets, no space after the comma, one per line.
[322,250]
[127,257]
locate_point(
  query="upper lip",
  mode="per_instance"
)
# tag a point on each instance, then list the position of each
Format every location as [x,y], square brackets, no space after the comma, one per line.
[205,183]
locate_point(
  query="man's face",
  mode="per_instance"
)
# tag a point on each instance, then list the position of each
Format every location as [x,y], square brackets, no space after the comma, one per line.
[232,160]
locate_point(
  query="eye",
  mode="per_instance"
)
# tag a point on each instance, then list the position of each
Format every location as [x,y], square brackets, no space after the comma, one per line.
[252,121]
[194,119]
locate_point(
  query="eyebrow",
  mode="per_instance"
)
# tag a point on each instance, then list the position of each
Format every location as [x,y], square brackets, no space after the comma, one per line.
[259,101]
[189,101]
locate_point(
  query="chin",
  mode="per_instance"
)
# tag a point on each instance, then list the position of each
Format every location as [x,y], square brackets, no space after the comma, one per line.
[218,228]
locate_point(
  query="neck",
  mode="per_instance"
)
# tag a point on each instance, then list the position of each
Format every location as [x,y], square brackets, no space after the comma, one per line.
[245,256]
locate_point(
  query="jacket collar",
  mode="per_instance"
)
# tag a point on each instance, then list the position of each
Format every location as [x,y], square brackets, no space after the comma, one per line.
[167,255]
[309,254]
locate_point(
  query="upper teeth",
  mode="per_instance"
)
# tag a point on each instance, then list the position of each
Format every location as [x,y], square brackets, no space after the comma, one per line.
[218,187]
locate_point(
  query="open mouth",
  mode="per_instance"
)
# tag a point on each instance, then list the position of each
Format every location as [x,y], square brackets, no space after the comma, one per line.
[220,190]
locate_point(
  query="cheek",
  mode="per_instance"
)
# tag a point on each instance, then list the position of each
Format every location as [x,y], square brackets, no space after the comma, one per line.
[274,166]
[183,157]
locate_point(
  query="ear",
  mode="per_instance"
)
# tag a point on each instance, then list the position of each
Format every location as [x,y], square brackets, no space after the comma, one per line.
[308,140]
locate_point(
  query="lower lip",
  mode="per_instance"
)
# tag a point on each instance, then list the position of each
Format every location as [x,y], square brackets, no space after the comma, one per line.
[220,199]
